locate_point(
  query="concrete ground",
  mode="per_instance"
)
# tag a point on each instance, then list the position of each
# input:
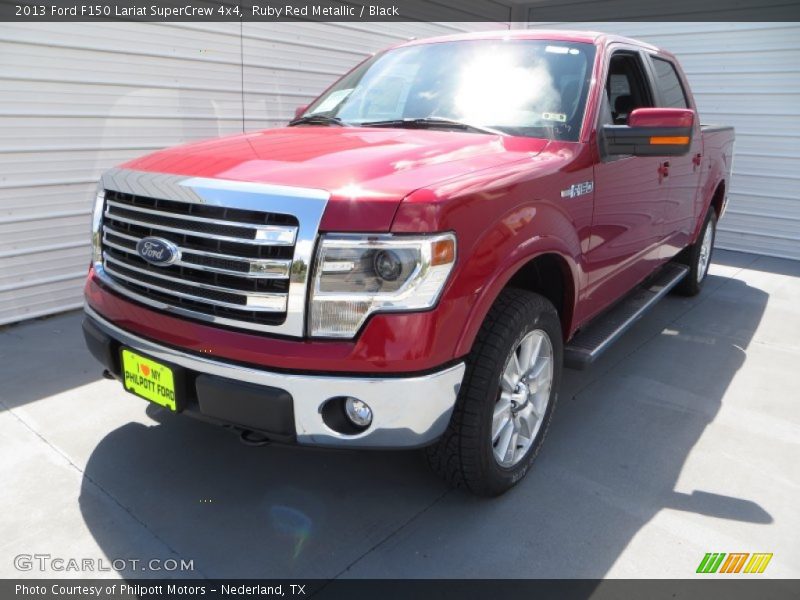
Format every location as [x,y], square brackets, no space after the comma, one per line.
[683,439]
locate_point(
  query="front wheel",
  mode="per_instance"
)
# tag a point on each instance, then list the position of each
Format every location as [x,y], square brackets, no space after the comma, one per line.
[507,398]
[698,257]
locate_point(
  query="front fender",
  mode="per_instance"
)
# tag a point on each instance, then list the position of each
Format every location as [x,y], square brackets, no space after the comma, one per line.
[496,264]
[503,218]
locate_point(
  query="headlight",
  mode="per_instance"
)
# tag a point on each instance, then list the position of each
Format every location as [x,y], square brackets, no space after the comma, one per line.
[357,275]
[97,221]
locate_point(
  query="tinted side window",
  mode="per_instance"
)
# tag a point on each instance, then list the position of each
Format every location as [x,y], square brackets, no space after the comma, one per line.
[669,85]
[626,87]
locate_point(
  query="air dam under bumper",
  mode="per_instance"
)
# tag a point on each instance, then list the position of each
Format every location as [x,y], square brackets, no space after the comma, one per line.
[408,412]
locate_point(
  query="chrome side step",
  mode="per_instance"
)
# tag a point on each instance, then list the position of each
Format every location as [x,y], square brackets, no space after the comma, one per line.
[591,341]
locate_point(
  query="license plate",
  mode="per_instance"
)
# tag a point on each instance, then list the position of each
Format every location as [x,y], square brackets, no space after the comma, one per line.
[149,379]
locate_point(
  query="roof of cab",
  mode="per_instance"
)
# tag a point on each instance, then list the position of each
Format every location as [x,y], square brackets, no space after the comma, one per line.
[562,35]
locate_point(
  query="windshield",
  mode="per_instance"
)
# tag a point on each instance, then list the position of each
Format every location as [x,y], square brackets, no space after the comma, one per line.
[533,88]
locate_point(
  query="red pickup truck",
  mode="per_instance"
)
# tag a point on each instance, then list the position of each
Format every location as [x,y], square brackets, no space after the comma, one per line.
[415,257]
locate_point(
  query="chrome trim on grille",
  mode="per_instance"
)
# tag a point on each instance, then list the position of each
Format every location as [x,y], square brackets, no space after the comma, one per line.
[203,234]
[265,268]
[185,295]
[112,283]
[263,301]
[305,204]
[266,234]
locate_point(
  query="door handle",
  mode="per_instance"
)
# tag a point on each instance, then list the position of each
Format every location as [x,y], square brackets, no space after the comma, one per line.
[663,170]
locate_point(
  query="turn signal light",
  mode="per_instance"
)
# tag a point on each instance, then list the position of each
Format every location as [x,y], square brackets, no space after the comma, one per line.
[678,140]
[443,252]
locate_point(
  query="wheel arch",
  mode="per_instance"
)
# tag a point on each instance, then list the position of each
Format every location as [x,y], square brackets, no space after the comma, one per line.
[718,198]
[549,273]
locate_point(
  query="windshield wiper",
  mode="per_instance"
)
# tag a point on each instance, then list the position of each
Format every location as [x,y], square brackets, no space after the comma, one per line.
[424,122]
[316,120]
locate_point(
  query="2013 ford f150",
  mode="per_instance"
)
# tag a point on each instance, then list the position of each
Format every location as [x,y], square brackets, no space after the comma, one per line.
[412,260]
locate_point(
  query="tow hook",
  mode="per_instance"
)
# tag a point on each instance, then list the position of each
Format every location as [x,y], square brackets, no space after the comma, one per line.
[253,438]
[107,374]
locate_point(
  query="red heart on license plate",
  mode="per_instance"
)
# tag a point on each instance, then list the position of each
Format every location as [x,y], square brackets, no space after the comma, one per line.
[145,370]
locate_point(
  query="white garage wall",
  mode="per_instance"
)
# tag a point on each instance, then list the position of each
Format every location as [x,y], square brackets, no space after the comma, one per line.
[746,75]
[76,99]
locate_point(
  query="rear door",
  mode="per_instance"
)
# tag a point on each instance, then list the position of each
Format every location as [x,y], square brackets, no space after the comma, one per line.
[629,192]
[683,172]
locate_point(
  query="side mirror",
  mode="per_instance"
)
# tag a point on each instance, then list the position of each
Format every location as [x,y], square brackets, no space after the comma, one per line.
[300,110]
[651,132]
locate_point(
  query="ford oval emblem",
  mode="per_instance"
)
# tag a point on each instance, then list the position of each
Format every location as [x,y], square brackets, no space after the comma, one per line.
[158,251]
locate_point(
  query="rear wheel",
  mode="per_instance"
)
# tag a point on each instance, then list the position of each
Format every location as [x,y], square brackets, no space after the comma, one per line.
[698,257]
[506,401]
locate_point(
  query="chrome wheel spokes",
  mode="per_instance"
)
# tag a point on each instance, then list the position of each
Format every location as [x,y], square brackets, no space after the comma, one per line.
[522,400]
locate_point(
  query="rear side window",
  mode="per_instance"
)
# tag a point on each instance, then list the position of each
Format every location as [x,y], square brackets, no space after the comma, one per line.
[672,94]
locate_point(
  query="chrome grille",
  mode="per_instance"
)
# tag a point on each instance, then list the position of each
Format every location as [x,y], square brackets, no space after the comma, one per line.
[234,264]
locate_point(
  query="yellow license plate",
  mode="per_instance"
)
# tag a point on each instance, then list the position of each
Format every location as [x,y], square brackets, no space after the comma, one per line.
[148,379]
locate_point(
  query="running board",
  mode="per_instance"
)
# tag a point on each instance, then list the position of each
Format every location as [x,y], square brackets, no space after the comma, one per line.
[594,339]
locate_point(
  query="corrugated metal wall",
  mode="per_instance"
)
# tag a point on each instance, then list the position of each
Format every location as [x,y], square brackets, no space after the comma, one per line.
[76,99]
[746,75]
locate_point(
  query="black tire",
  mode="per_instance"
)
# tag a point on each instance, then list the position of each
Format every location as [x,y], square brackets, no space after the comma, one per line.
[692,284]
[464,456]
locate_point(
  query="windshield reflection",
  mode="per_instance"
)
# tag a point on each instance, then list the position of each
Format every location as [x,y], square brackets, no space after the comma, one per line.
[534,88]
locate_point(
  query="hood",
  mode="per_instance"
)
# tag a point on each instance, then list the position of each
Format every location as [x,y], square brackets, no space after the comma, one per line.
[369,170]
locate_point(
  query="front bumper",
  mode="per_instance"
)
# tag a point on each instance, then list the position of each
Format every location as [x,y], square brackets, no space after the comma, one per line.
[408,412]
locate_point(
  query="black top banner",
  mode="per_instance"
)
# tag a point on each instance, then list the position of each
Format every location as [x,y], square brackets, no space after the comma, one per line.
[399,10]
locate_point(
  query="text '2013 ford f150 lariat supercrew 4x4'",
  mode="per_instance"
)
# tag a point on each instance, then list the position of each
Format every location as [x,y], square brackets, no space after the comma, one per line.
[412,260]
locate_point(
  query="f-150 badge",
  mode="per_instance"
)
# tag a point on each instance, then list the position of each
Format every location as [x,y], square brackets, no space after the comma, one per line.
[577,189]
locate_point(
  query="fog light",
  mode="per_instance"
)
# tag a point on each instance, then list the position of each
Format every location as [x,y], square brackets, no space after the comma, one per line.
[359,413]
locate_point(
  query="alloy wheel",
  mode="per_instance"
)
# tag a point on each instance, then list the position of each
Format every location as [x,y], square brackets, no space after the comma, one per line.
[522,400]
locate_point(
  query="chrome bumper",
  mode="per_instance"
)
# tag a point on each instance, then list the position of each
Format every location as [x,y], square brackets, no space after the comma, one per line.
[408,412]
